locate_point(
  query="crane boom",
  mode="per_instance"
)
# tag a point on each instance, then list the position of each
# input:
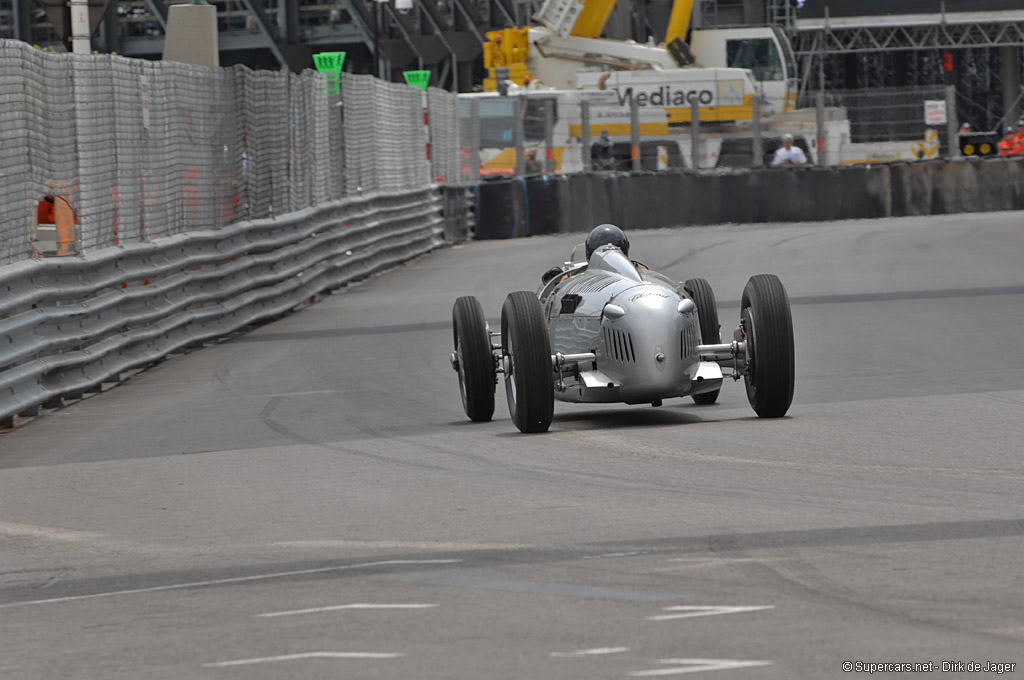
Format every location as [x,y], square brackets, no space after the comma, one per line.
[679,20]
[592,20]
[587,18]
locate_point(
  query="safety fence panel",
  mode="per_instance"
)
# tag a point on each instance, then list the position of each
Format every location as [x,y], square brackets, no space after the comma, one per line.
[385,137]
[444,134]
[67,325]
[15,163]
[94,134]
[130,150]
[454,138]
[266,146]
[38,156]
[469,141]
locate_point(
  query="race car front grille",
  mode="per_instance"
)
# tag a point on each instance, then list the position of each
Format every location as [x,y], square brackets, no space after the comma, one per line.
[688,341]
[593,282]
[619,346]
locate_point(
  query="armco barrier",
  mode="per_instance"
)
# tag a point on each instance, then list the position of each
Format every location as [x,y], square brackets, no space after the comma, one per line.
[69,324]
[511,208]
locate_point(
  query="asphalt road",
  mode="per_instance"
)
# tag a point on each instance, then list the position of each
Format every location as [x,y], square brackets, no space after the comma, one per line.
[309,501]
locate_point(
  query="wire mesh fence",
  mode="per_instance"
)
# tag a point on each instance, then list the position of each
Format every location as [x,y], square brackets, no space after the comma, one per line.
[128,149]
[119,149]
[886,114]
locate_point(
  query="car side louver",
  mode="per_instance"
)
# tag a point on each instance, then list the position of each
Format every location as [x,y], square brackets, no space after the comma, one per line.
[619,346]
[688,341]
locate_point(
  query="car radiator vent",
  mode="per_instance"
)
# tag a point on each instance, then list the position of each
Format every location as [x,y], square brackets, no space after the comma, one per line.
[619,346]
[593,283]
[688,341]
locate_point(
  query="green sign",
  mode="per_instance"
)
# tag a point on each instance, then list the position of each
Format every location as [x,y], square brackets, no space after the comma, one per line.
[330,63]
[418,79]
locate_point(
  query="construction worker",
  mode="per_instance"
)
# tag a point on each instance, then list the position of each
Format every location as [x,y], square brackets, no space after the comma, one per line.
[57,210]
[1013,142]
[44,213]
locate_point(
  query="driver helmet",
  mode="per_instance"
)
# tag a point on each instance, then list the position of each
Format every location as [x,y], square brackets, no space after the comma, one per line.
[607,235]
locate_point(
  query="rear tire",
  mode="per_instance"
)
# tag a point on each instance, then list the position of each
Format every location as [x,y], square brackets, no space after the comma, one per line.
[710,329]
[768,326]
[526,352]
[475,360]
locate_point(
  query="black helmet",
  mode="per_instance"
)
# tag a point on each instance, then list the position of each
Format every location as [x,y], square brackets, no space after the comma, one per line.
[607,235]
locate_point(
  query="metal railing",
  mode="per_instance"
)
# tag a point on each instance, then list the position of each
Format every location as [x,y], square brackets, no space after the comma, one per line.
[190,202]
[68,325]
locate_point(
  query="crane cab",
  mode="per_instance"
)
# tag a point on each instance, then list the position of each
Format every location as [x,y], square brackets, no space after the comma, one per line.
[764,50]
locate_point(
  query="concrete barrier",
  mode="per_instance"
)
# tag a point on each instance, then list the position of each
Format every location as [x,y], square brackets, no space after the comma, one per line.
[510,208]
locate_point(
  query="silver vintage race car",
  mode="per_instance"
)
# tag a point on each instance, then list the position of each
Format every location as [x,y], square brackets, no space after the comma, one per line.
[603,328]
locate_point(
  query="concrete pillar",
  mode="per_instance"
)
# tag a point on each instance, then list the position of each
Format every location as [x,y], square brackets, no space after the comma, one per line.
[192,35]
[640,33]
[620,23]
[901,68]
[465,82]
[81,39]
[23,20]
[1011,84]
[753,12]
[108,29]
[290,12]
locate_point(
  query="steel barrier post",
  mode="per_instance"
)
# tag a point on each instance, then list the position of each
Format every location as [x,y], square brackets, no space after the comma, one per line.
[634,133]
[517,133]
[474,150]
[695,133]
[588,162]
[952,124]
[549,134]
[820,105]
[758,143]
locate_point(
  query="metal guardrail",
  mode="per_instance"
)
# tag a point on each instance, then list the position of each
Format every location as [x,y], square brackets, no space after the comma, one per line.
[69,324]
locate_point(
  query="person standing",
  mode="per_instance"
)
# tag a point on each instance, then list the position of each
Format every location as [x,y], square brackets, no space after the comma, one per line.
[787,154]
[533,166]
[604,151]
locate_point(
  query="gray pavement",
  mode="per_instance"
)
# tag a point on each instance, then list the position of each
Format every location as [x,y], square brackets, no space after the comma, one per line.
[308,500]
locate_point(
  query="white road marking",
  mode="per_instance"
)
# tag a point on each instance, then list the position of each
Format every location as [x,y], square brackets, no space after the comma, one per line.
[237,579]
[598,651]
[596,557]
[51,533]
[1016,630]
[697,666]
[337,607]
[729,560]
[307,655]
[689,612]
[299,394]
[333,544]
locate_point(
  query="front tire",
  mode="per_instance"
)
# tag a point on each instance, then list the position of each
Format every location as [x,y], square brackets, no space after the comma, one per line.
[767,323]
[710,329]
[475,363]
[526,353]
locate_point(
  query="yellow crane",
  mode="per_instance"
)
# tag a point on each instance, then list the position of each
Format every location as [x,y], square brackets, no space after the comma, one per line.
[723,69]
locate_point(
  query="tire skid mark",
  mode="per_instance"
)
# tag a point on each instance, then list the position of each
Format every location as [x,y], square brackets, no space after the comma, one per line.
[810,584]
